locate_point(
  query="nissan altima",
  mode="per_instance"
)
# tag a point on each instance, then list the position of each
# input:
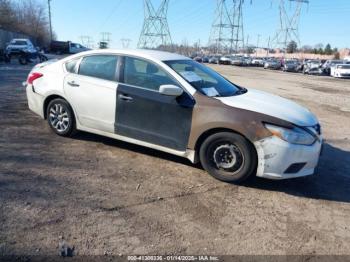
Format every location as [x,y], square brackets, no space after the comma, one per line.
[173,104]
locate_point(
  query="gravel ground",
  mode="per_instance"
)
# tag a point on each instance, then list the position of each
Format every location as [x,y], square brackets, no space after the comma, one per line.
[108,197]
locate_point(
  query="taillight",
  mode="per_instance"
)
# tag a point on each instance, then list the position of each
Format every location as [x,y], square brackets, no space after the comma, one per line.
[33,76]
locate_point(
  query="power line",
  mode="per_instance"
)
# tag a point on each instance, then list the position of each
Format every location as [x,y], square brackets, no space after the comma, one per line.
[110,14]
[155,31]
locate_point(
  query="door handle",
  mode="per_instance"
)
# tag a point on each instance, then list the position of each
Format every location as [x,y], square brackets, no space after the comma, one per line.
[125,98]
[73,83]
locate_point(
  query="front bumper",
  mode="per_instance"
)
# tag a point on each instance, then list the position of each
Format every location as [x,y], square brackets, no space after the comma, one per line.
[276,156]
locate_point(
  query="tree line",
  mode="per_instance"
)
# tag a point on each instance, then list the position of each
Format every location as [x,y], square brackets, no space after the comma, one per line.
[317,49]
[27,17]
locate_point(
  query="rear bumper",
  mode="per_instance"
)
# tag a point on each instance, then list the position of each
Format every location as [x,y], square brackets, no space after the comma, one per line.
[276,156]
[35,101]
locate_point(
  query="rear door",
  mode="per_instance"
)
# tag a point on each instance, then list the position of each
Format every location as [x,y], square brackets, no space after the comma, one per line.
[145,114]
[91,89]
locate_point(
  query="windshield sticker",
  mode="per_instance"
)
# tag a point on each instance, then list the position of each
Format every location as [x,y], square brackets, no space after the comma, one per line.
[210,91]
[191,76]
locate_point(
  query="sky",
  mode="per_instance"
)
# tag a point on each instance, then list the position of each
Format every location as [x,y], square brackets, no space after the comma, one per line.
[321,21]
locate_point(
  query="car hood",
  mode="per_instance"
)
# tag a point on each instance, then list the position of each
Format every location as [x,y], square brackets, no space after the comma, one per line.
[272,105]
[17,46]
[343,70]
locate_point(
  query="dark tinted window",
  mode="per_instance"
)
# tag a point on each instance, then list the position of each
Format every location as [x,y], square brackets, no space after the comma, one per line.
[145,74]
[99,66]
[71,66]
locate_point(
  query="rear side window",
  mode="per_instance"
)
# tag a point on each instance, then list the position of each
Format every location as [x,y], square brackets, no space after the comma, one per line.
[99,66]
[71,66]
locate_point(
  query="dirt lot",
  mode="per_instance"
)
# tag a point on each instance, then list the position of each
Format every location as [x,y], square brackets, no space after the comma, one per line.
[109,197]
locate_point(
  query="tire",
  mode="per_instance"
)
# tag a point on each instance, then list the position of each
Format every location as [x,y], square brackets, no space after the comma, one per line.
[22,60]
[60,117]
[42,58]
[232,147]
[7,59]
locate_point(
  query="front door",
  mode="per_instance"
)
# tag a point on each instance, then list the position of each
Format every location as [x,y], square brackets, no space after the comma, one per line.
[145,114]
[91,89]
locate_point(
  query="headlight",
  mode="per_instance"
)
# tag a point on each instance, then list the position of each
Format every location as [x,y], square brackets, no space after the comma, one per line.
[293,136]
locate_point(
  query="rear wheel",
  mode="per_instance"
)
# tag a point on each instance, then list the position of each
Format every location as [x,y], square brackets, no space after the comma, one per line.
[228,157]
[60,117]
[22,60]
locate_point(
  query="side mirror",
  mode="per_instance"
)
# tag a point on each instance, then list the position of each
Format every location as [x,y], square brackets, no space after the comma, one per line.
[170,90]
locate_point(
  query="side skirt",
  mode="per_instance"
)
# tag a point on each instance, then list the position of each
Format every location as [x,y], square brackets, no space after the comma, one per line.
[189,154]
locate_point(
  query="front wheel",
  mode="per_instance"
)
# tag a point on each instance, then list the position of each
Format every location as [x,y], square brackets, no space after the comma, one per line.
[228,157]
[60,117]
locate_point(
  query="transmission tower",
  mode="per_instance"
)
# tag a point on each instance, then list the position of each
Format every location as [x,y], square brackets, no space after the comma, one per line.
[87,41]
[227,29]
[155,31]
[106,37]
[289,23]
[125,42]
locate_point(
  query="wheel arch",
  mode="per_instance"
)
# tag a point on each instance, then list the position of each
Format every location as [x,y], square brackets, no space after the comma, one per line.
[52,97]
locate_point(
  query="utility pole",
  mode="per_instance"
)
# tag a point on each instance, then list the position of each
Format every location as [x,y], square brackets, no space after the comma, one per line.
[50,22]
[268,47]
[227,28]
[289,23]
[155,31]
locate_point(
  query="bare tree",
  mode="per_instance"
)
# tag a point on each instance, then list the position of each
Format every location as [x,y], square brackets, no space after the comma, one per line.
[26,16]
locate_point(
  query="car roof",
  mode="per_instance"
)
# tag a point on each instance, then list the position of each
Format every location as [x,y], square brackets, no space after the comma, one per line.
[20,39]
[142,53]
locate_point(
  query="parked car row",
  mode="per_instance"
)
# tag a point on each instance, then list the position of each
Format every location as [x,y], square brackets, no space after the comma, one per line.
[26,52]
[334,68]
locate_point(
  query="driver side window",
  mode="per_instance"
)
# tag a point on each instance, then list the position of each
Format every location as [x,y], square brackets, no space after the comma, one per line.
[144,74]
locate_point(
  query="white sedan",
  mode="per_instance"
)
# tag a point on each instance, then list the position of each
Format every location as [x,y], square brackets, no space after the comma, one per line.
[171,103]
[341,71]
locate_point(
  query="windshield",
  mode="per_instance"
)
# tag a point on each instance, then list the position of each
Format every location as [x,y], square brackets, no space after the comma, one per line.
[19,42]
[204,79]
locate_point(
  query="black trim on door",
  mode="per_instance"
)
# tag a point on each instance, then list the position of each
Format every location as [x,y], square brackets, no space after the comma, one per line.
[152,117]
